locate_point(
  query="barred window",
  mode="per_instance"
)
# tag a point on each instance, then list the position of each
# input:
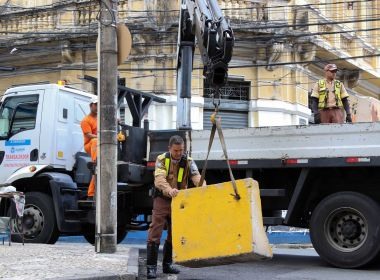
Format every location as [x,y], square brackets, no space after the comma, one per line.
[233,90]
[122,114]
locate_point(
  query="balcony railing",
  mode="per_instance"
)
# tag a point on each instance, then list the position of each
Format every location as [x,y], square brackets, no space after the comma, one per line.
[71,16]
[80,14]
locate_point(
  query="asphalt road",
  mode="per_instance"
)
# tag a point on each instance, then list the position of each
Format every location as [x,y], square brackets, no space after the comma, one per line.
[287,264]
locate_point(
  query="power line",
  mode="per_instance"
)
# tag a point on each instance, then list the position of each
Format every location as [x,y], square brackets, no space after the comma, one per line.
[276,36]
[62,4]
[200,68]
[258,84]
[240,28]
[271,25]
[279,36]
[257,27]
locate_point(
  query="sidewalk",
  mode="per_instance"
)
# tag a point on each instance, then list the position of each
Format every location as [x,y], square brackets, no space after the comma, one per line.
[73,258]
[66,261]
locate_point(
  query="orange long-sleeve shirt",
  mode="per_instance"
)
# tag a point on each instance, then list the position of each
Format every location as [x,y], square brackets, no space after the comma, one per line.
[89,124]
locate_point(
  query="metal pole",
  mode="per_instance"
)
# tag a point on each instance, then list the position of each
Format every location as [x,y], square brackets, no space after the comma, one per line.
[184,86]
[106,189]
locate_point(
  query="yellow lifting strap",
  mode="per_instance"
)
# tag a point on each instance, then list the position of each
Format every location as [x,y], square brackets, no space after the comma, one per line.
[216,125]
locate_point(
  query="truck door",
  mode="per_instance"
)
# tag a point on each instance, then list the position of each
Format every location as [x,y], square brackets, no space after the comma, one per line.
[20,119]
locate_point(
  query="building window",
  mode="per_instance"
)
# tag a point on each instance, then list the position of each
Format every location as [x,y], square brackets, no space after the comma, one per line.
[233,90]
[350,5]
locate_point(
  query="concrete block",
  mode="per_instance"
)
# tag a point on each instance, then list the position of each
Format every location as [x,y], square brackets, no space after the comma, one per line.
[211,227]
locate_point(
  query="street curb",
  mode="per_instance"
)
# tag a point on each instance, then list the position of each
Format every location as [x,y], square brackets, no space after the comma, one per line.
[289,237]
[275,237]
[133,263]
[293,246]
[104,277]
[132,268]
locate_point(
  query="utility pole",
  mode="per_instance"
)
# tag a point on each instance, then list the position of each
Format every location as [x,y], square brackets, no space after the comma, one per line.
[106,189]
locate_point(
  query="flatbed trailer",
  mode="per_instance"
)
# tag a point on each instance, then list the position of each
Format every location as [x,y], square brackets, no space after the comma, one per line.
[324,177]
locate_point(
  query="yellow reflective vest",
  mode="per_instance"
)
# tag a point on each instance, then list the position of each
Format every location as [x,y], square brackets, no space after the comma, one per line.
[323,94]
[183,165]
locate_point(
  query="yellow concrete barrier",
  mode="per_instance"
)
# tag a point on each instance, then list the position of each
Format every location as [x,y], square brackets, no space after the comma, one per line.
[211,227]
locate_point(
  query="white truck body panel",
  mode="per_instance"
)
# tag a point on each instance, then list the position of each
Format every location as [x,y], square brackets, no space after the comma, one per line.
[25,172]
[316,141]
[57,135]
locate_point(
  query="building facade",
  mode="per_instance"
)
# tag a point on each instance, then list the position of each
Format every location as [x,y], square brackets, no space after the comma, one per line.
[280,50]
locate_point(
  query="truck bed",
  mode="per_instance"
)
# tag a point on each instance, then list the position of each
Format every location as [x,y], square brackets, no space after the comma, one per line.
[313,141]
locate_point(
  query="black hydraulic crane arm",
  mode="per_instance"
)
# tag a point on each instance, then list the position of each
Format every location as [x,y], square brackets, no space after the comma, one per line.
[202,20]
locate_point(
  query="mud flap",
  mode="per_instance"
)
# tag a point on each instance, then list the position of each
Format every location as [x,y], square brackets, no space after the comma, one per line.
[210,227]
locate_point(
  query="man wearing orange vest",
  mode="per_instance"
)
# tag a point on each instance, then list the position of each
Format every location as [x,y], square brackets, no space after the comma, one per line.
[329,97]
[89,127]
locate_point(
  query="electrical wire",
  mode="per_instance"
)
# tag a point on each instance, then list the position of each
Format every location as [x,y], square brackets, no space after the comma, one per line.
[248,65]
[269,36]
[62,4]
[253,65]
[259,25]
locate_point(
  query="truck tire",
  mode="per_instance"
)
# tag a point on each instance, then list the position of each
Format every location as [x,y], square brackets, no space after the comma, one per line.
[345,230]
[89,234]
[39,222]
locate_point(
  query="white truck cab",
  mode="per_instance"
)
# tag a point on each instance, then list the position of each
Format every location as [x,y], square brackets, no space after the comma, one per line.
[40,128]
[40,143]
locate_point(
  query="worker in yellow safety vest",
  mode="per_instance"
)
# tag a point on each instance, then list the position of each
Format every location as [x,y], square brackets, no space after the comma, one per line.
[329,97]
[172,173]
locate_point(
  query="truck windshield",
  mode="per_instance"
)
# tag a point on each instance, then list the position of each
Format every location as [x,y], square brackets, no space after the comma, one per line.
[18,112]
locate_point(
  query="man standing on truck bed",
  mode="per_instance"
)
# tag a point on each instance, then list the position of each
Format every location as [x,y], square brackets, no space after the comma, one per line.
[329,97]
[172,173]
[89,126]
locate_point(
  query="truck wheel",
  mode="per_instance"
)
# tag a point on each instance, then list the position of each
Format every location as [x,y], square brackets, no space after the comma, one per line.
[39,223]
[345,230]
[89,234]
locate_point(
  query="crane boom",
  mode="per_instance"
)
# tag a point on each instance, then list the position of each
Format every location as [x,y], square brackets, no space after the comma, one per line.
[201,21]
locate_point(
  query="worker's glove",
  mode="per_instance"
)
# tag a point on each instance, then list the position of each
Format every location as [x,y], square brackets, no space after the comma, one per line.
[317,118]
[120,137]
[348,118]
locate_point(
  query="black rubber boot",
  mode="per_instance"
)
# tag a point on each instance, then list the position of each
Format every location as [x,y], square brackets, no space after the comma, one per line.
[151,260]
[167,261]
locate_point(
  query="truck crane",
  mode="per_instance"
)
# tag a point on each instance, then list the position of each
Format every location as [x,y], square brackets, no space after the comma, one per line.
[201,22]
[326,177]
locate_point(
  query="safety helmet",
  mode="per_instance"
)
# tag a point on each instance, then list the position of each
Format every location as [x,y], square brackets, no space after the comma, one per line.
[94,100]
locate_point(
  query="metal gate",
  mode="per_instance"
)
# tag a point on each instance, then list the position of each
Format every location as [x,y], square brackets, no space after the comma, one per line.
[234,104]
[230,119]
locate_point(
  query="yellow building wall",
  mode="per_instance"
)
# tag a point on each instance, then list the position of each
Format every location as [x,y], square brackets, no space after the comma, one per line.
[278,92]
